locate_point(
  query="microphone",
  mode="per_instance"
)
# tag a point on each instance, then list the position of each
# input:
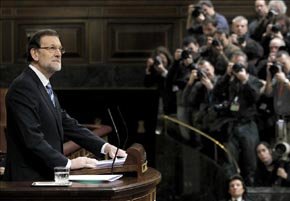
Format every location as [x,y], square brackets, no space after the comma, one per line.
[118,139]
[126,128]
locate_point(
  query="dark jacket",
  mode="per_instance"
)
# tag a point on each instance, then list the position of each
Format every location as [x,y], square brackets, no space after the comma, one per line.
[36,129]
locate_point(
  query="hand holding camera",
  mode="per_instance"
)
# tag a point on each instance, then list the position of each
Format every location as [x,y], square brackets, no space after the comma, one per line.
[204,79]
[186,57]
[276,69]
[197,74]
[149,64]
[158,65]
[155,64]
[196,13]
[282,173]
[239,71]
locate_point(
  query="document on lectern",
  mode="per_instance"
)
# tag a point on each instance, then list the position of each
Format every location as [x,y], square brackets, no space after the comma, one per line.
[108,163]
[111,177]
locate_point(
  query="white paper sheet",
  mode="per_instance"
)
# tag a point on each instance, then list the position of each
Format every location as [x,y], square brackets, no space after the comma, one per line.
[50,183]
[108,163]
[111,177]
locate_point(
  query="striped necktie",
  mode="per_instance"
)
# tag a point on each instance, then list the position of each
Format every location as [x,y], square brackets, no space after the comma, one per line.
[50,93]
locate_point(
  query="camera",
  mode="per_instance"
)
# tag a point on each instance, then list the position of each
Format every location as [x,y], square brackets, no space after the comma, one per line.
[282,147]
[237,67]
[275,68]
[241,39]
[275,28]
[196,12]
[200,73]
[185,54]
[272,13]
[192,66]
[157,61]
[215,42]
[222,107]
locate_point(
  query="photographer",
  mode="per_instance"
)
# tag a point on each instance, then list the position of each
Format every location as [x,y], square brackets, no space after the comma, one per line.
[185,60]
[157,66]
[240,37]
[241,91]
[275,8]
[195,17]
[261,9]
[278,87]
[266,115]
[209,12]
[271,169]
[219,51]
[197,95]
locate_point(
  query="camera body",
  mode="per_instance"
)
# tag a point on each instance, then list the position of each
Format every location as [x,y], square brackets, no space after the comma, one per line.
[215,42]
[237,67]
[157,61]
[185,54]
[275,68]
[275,28]
[241,39]
[200,73]
[272,13]
[282,146]
[196,11]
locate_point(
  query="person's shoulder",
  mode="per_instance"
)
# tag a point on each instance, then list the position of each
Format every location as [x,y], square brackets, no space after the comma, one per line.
[220,16]
[23,84]
[22,79]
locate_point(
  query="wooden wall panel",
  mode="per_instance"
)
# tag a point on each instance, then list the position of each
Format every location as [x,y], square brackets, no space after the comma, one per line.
[96,41]
[7,42]
[2,120]
[73,37]
[131,41]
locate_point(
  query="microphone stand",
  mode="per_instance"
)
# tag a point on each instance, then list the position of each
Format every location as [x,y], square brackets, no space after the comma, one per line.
[125,126]
[118,139]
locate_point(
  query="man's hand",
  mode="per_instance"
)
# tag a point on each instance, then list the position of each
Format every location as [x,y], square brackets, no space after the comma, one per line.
[242,75]
[149,64]
[111,151]
[282,173]
[83,162]
[280,77]
[207,82]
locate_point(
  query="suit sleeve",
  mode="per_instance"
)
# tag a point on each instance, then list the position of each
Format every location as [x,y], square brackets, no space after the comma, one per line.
[81,135]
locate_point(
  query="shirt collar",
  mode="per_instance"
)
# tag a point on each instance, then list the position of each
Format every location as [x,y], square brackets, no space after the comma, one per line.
[40,75]
[237,199]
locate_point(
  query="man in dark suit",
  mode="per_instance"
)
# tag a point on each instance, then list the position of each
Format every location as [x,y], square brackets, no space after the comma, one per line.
[36,124]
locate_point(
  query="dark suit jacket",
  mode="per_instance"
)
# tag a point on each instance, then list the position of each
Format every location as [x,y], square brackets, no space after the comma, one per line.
[36,129]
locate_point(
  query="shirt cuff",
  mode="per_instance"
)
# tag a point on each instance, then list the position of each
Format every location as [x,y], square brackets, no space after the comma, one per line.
[103,148]
[68,165]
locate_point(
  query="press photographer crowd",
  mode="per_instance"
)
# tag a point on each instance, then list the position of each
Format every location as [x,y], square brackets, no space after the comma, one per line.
[230,79]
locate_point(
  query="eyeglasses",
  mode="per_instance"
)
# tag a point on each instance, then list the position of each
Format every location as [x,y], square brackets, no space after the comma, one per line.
[53,49]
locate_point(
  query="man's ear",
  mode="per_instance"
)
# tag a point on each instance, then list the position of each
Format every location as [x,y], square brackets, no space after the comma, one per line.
[34,54]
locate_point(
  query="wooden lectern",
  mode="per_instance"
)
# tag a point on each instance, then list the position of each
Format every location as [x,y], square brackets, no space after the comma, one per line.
[128,188]
[135,163]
